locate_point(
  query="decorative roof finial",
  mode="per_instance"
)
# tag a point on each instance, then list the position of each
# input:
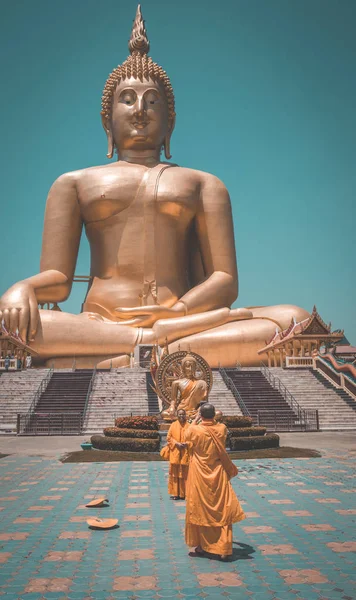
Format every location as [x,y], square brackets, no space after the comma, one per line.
[138,41]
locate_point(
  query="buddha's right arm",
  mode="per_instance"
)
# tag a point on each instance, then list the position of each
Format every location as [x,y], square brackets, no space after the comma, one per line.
[60,243]
[61,237]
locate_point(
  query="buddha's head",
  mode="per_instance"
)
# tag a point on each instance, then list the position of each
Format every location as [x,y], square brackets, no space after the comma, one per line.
[189,366]
[138,101]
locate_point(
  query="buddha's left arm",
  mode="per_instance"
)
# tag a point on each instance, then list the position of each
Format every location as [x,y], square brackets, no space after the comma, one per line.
[214,228]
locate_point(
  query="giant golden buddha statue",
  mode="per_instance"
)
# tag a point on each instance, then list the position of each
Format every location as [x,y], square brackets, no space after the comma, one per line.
[163,262]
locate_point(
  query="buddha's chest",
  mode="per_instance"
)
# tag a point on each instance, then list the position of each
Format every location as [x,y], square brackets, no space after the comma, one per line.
[129,193]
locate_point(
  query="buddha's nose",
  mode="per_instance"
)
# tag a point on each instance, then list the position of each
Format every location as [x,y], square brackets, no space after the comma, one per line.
[140,107]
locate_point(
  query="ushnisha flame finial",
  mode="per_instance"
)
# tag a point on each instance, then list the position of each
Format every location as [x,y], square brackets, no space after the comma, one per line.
[139,41]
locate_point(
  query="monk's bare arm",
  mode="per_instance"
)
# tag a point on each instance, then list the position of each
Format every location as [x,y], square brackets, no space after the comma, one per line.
[213,223]
[188,437]
[62,230]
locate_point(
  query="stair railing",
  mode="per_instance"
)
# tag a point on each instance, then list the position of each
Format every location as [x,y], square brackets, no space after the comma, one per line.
[90,387]
[338,379]
[232,387]
[41,388]
[278,385]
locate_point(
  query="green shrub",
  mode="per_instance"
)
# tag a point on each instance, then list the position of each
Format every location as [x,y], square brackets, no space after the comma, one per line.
[271,440]
[237,421]
[247,431]
[131,433]
[137,423]
[101,442]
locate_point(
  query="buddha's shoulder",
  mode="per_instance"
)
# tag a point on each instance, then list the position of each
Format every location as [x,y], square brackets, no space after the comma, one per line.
[202,177]
[83,173]
[73,177]
[176,172]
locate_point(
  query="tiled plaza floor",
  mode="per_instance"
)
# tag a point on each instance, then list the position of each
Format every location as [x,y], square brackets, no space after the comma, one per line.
[297,542]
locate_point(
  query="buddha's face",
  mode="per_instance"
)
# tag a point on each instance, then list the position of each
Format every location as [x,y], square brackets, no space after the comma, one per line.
[189,369]
[139,118]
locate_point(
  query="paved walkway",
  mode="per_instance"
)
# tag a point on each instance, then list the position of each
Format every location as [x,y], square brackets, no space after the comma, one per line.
[298,541]
[57,445]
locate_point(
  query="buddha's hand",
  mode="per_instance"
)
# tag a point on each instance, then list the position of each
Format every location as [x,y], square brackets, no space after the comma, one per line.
[146,316]
[18,308]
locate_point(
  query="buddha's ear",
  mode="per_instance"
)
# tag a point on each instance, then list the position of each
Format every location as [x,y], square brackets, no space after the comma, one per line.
[107,127]
[167,140]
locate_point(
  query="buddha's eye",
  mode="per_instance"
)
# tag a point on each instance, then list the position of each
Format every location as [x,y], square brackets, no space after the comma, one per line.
[152,99]
[128,98]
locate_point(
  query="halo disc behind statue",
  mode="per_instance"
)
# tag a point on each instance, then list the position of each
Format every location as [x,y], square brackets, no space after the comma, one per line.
[170,369]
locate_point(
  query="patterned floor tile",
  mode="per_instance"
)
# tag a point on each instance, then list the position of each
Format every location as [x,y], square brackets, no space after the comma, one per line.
[295,544]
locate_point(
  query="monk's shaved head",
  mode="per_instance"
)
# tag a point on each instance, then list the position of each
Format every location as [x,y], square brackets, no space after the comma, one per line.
[207,411]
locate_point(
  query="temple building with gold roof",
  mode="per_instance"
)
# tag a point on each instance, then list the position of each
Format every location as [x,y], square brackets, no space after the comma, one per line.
[295,345]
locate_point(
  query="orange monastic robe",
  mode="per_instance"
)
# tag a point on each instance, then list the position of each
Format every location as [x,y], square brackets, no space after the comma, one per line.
[212,505]
[178,459]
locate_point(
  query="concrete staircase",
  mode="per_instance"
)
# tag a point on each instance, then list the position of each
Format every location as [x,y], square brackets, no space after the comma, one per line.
[311,390]
[60,408]
[126,392]
[119,393]
[17,389]
[258,394]
[66,392]
[222,398]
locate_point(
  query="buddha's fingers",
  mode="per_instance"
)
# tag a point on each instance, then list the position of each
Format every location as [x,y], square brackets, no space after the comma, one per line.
[34,316]
[14,320]
[139,311]
[138,322]
[6,317]
[24,318]
[178,327]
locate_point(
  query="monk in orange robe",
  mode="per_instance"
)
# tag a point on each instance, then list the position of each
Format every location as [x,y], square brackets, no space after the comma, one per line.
[212,505]
[178,456]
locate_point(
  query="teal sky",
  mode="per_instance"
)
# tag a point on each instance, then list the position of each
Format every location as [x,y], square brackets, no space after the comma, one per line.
[266,96]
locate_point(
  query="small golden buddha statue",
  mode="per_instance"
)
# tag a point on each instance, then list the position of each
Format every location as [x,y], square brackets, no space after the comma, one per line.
[163,261]
[187,392]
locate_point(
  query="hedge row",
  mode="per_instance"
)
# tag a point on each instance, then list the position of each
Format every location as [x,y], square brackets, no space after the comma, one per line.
[271,440]
[102,442]
[131,433]
[150,423]
[232,422]
[247,431]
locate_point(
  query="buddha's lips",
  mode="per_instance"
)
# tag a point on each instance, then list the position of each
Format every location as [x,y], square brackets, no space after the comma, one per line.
[140,125]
